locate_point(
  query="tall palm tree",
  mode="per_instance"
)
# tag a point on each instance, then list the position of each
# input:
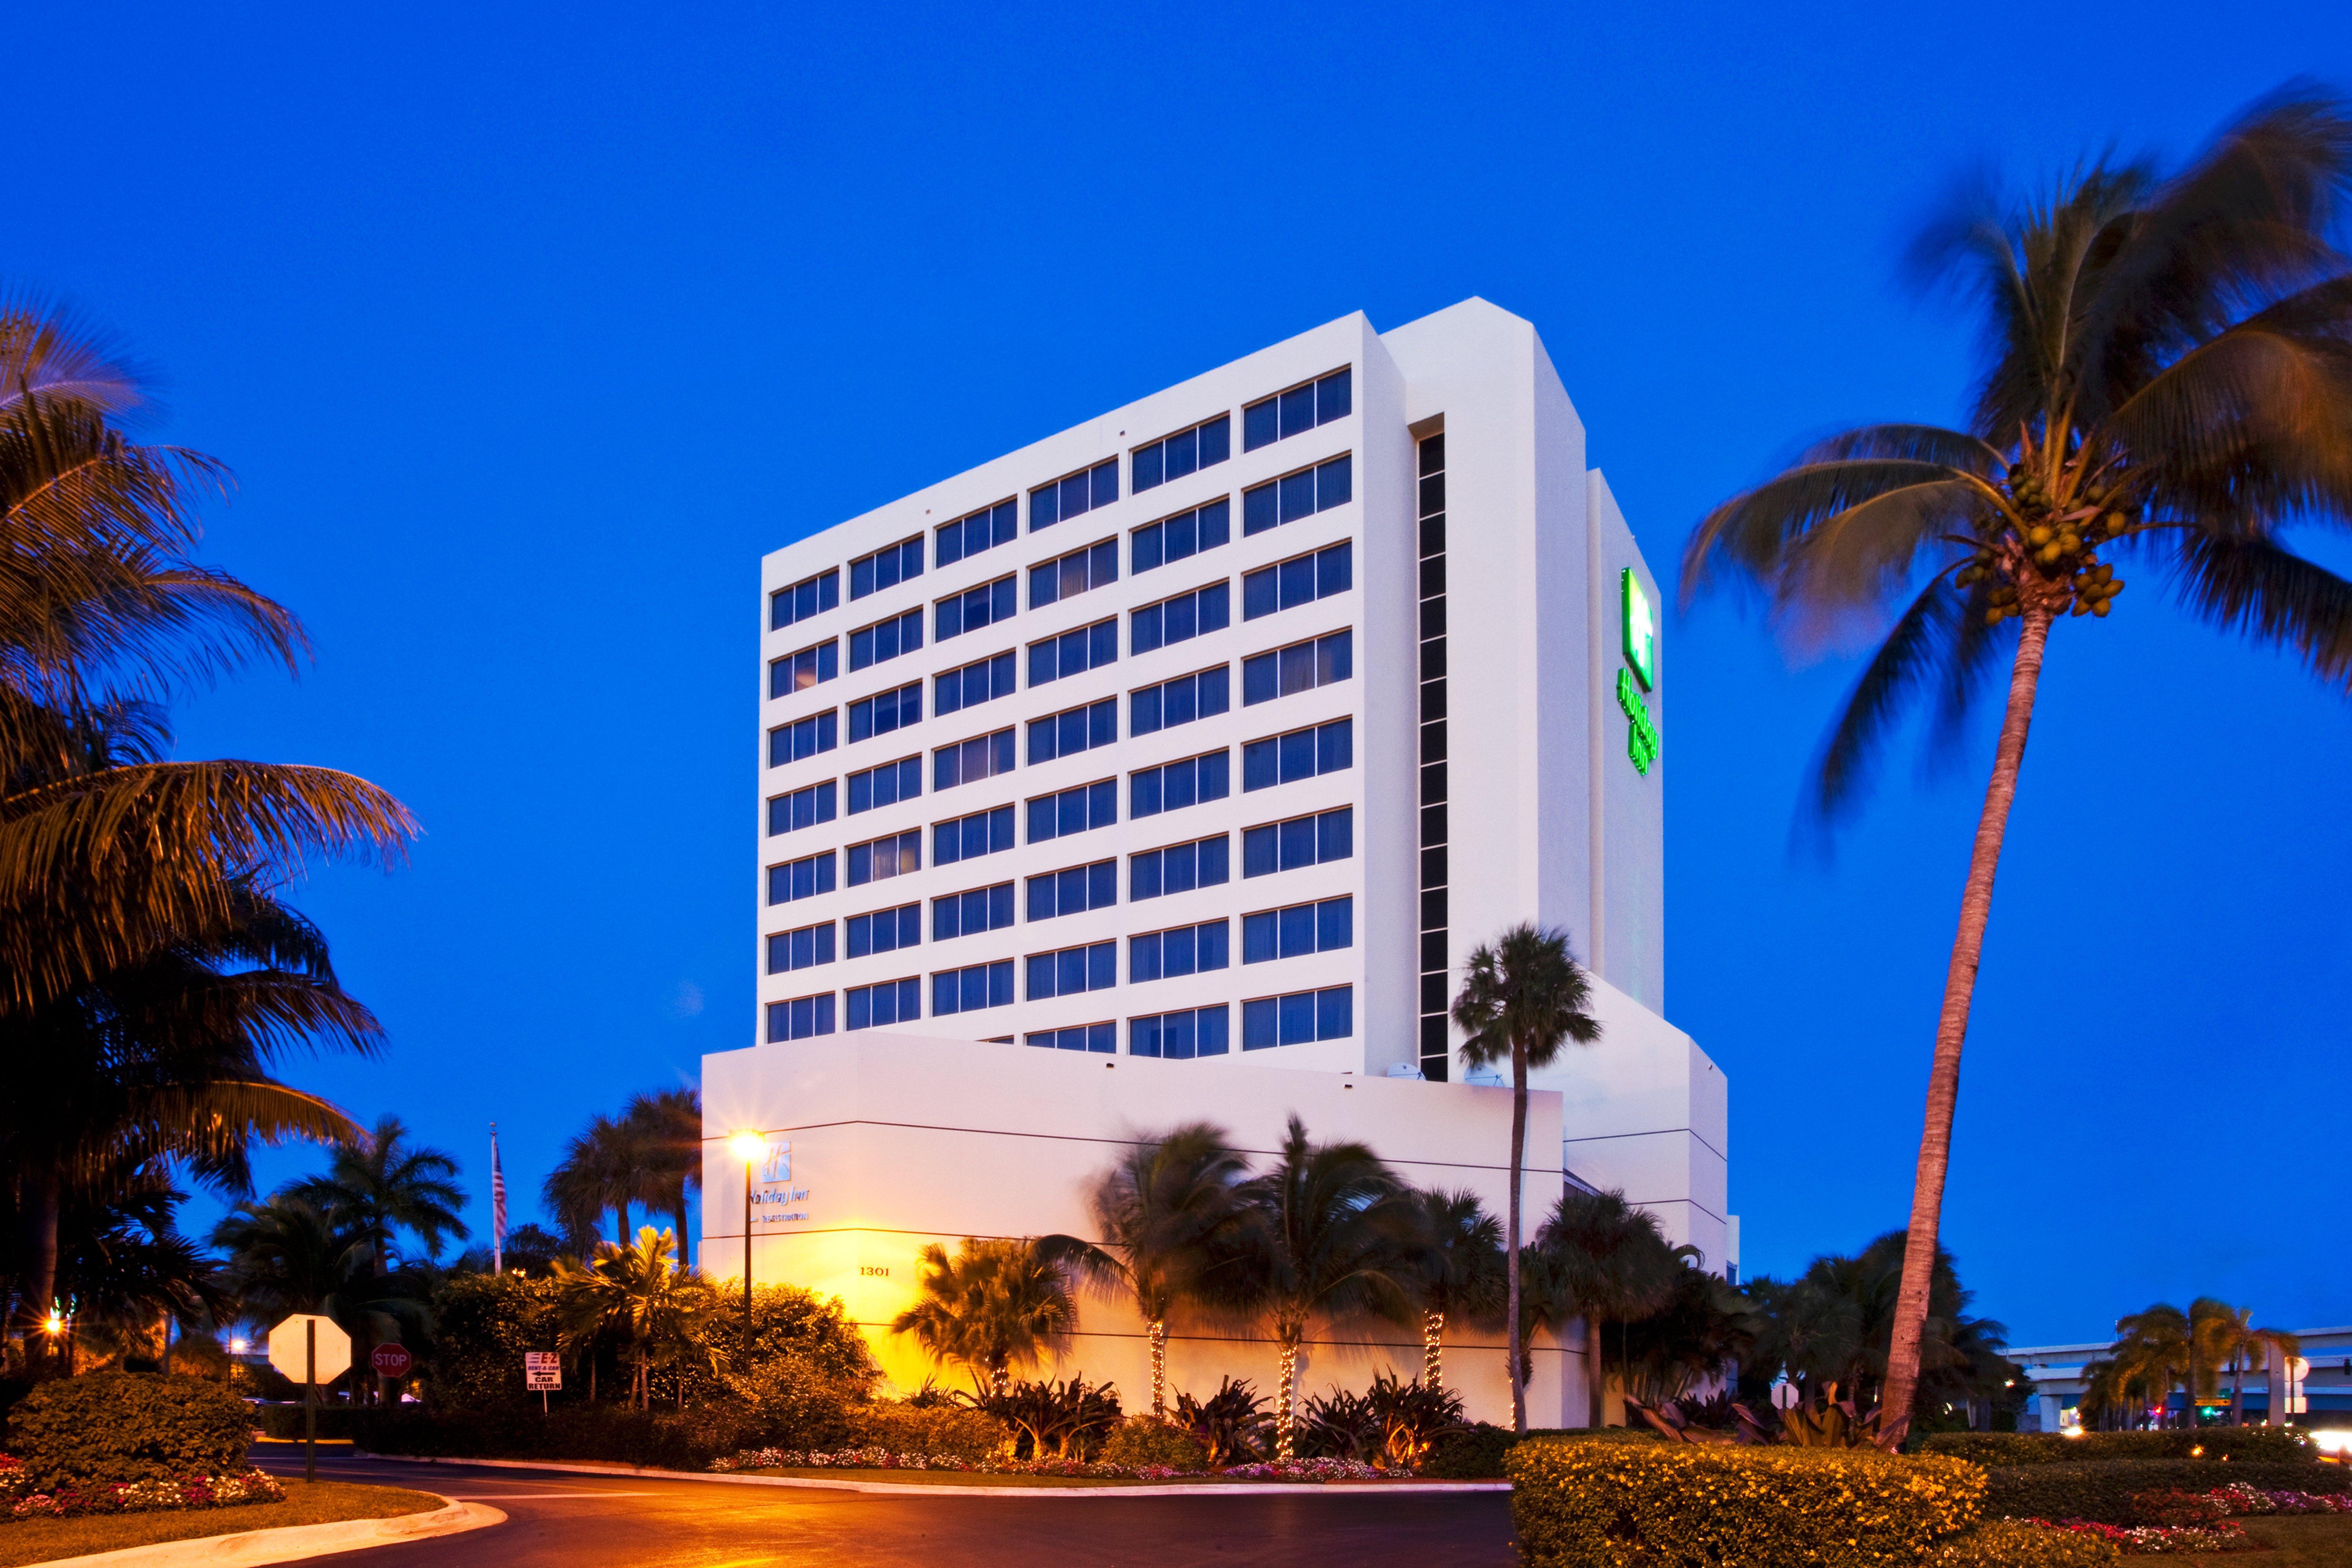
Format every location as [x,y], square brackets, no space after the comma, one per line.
[997,1305]
[1616,1265]
[1461,1269]
[1326,1231]
[666,1126]
[1523,997]
[1157,1209]
[2157,1348]
[2168,383]
[601,1170]
[381,1184]
[637,1294]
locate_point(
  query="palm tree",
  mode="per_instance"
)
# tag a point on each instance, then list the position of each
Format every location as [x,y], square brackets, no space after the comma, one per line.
[1522,997]
[2156,1348]
[637,1294]
[1704,1327]
[287,1255]
[1461,1272]
[1325,1231]
[995,1305]
[1156,1209]
[601,1169]
[2166,383]
[381,1184]
[666,1127]
[1615,1265]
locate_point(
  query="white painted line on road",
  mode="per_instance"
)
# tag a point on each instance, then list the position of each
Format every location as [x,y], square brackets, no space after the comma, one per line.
[539,1496]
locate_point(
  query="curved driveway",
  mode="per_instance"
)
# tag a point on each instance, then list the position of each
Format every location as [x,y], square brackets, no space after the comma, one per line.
[556,1519]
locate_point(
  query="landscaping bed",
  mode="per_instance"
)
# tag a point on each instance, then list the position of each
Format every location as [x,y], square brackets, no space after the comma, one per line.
[39,1539]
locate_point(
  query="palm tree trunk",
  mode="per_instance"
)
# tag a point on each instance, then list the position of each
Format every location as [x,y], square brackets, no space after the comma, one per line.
[1518,1147]
[685,1250]
[1594,1377]
[1286,1410]
[1159,1369]
[1902,1381]
[1433,1349]
[41,1279]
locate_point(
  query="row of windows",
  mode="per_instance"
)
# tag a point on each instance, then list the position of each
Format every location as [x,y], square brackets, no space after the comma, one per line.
[1074,496]
[987,605]
[1080,571]
[804,738]
[968,761]
[1180,619]
[1300,754]
[886,785]
[1179,868]
[1174,456]
[803,808]
[983,680]
[1299,580]
[1296,1019]
[886,640]
[889,711]
[885,567]
[799,672]
[1073,730]
[1170,954]
[809,596]
[1299,410]
[1074,652]
[980,530]
[1301,495]
[1301,667]
[1202,694]
[1185,535]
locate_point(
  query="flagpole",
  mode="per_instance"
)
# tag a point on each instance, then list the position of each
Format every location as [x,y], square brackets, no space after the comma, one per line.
[498,1208]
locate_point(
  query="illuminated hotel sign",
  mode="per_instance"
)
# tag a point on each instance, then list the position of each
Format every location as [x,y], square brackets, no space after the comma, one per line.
[1640,632]
[773,1196]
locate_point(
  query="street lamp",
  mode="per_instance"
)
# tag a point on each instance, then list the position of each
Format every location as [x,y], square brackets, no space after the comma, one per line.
[753,1148]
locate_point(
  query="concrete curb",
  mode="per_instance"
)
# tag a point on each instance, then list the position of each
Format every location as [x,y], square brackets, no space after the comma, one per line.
[905,1488]
[292,1542]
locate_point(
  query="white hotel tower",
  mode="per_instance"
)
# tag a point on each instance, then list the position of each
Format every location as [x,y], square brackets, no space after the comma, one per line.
[1171,768]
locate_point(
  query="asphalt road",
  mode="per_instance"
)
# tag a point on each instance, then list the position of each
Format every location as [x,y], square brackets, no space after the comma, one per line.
[573,1521]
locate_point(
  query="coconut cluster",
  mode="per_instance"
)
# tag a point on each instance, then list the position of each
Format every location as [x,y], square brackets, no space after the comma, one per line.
[2043,548]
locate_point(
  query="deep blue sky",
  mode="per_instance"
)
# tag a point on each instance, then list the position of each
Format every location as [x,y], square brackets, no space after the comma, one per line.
[528,329]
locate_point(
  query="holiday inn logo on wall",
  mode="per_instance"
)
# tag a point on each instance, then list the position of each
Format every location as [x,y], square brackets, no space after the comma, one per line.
[1642,660]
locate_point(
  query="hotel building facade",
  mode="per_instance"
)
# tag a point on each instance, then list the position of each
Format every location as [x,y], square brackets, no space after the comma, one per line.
[1204,741]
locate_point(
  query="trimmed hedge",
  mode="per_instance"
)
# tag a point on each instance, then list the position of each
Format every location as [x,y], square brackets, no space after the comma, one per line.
[2271,1445]
[678,1441]
[2015,1544]
[283,1423]
[1475,1453]
[1140,1440]
[1668,1505]
[105,1426]
[2102,1491]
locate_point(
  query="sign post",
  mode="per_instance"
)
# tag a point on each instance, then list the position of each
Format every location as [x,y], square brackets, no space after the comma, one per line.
[316,1350]
[542,1370]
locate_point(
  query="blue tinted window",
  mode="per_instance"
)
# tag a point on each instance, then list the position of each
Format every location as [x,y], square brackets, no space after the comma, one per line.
[968,761]
[802,949]
[800,1018]
[972,989]
[1319,927]
[970,914]
[1176,785]
[1101,1037]
[889,711]
[1079,493]
[983,680]
[1078,809]
[971,837]
[1097,566]
[799,672]
[1174,456]
[988,605]
[1302,666]
[872,644]
[1072,890]
[812,596]
[1179,868]
[1202,694]
[1073,652]
[884,857]
[1180,619]
[980,530]
[1301,754]
[1185,535]
[802,878]
[791,742]
[801,808]
[886,785]
[1299,580]
[878,1006]
[883,930]
[1297,408]
[1299,495]
[885,567]
[1076,729]
[1072,970]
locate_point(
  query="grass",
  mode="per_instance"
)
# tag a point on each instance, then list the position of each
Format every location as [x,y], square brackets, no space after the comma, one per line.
[2297,1541]
[307,1502]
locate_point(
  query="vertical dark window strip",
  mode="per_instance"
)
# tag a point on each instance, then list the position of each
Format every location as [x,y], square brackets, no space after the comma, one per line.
[1437,1046]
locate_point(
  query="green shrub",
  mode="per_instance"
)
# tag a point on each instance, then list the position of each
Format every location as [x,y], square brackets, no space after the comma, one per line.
[482,1325]
[673,1440]
[2016,1543]
[2271,1445]
[2102,1490]
[128,1426]
[1141,1440]
[954,1431]
[1667,1505]
[284,1422]
[788,1403]
[1475,1453]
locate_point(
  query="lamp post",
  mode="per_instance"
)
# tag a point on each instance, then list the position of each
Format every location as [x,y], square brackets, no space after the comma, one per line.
[753,1148]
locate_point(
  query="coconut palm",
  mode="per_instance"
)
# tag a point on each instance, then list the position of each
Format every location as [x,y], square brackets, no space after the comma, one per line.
[2156,1348]
[1460,1272]
[381,1184]
[666,1127]
[2168,383]
[997,1305]
[1522,998]
[1615,1265]
[1157,1209]
[1326,1231]
[601,1169]
[639,1296]
[287,1255]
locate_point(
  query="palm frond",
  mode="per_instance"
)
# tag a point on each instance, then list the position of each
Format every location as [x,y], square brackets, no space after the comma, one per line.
[1762,534]
[2271,595]
[1914,654]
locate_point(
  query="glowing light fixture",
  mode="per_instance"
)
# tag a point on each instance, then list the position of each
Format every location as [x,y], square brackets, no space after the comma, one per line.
[747,1145]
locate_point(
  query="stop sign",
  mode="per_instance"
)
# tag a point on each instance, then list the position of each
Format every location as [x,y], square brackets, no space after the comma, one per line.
[392,1361]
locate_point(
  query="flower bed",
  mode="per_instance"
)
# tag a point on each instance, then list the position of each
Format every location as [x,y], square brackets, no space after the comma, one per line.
[2201,1521]
[18,1500]
[1074,1470]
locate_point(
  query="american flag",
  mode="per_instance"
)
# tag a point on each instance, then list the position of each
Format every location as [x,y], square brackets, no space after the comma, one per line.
[498,1206]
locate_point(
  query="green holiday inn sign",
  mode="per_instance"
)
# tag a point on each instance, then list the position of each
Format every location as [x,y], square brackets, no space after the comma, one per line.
[1640,672]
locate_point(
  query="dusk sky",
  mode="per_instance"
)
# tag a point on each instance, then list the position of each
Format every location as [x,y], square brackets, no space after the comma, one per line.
[528,330]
